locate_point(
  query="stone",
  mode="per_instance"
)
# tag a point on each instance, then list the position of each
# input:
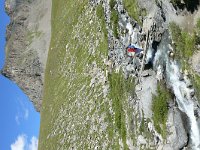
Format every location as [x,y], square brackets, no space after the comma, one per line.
[150,126]
[130,68]
[181,77]
[196,62]
[167,147]
[144,92]
[177,134]
[146,73]
[187,81]
[192,92]
[141,140]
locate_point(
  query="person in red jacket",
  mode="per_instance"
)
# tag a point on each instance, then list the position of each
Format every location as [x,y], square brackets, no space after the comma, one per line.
[132,50]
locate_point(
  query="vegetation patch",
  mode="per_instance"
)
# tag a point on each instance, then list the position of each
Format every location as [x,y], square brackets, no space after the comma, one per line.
[197,38]
[184,44]
[68,98]
[133,10]
[196,77]
[112,4]
[100,15]
[119,88]
[114,18]
[114,22]
[196,84]
[76,115]
[160,109]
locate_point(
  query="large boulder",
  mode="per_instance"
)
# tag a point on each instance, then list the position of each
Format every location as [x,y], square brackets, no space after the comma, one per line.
[177,137]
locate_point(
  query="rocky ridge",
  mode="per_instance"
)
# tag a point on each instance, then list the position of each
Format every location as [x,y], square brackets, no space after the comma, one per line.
[28,38]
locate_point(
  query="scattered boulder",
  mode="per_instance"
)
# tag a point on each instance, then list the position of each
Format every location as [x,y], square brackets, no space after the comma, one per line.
[146,73]
[141,140]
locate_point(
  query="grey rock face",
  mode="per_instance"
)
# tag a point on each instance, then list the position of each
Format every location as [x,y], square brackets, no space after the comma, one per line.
[28,38]
[196,62]
[178,137]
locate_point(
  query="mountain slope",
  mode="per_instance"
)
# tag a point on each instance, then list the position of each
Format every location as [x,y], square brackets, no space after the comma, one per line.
[120,74]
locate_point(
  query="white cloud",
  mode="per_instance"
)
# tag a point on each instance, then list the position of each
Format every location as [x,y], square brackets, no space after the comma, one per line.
[34,144]
[22,114]
[19,143]
[22,144]
[26,114]
[17,119]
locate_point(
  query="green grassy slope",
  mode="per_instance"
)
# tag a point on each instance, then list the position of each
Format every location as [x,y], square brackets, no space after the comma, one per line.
[74,113]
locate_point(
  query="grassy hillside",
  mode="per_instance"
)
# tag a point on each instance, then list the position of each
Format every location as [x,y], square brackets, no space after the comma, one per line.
[76,113]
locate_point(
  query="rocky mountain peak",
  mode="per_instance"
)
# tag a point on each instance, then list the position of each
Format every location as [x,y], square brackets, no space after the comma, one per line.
[28,38]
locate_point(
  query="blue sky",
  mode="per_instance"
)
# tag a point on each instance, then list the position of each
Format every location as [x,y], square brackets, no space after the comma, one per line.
[19,122]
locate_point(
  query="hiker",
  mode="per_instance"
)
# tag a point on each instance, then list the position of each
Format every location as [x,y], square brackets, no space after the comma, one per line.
[134,51]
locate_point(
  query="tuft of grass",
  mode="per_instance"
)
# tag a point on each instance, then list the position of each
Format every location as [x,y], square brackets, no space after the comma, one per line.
[197,41]
[198,25]
[114,22]
[196,83]
[130,85]
[112,4]
[184,44]
[114,18]
[160,109]
[133,10]
[100,15]
[142,125]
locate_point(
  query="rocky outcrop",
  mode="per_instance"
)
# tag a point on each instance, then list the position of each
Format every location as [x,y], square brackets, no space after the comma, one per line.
[177,138]
[196,62]
[28,39]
